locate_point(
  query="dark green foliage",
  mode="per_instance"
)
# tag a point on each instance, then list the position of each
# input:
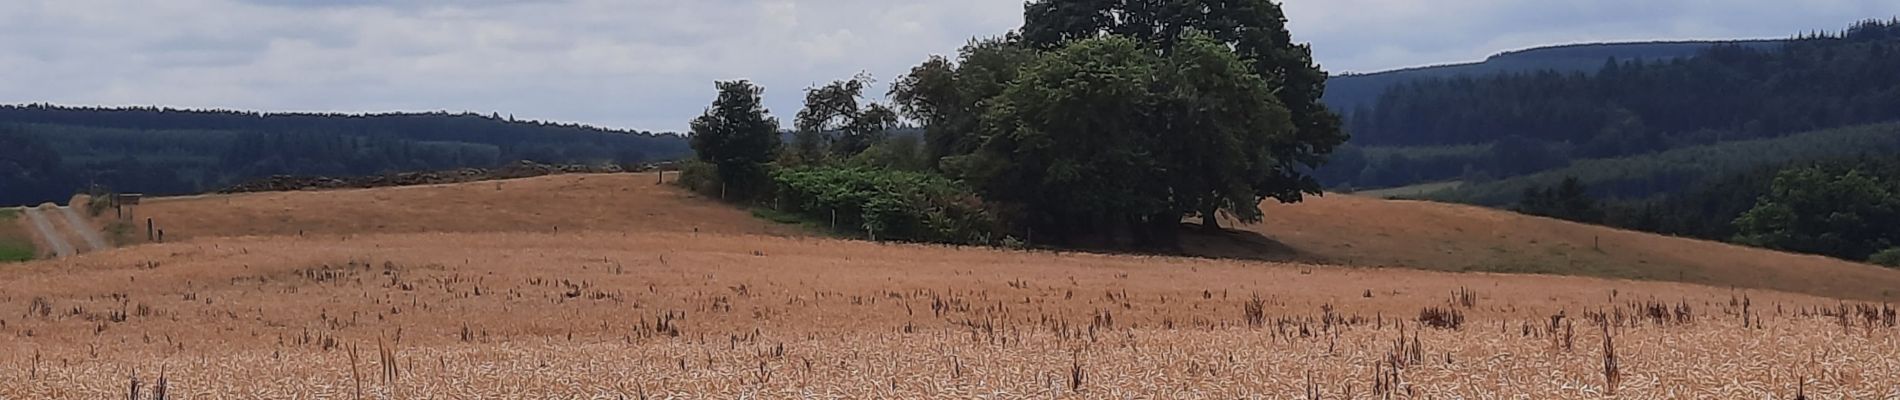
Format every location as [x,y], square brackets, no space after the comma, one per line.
[1224,140]
[30,171]
[1632,107]
[1069,143]
[949,98]
[700,177]
[1701,211]
[1255,30]
[300,153]
[885,204]
[738,136]
[1352,91]
[1569,200]
[1109,140]
[834,118]
[169,151]
[1848,214]
[899,152]
[1626,107]
[1887,258]
[1846,207]
[1647,176]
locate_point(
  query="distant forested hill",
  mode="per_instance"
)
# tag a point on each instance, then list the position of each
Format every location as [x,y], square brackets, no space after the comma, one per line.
[49,152]
[1347,92]
[1516,123]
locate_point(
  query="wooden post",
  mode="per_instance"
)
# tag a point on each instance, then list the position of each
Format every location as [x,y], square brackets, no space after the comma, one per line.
[149,233]
[662,178]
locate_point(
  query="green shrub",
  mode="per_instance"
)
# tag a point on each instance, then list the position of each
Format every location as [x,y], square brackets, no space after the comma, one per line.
[1888,257]
[885,204]
[700,177]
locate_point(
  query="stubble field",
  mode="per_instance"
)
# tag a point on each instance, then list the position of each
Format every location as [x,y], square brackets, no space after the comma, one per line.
[684,315]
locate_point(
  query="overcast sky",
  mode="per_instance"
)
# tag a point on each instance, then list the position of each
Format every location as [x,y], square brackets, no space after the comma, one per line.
[650,64]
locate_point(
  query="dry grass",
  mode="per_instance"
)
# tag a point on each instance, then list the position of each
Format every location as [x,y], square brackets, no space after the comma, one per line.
[1349,230]
[1331,230]
[659,315]
[549,204]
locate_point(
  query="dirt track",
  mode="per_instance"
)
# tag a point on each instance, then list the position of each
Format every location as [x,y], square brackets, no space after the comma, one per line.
[49,234]
[85,229]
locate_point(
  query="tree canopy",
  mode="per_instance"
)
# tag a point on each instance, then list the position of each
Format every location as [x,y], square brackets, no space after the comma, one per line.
[737,135]
[1109,135]
[1255,30]
[836,117]
[1848,214]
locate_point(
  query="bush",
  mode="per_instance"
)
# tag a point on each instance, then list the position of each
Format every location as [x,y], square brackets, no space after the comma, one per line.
[700,177]
[886,204]
[1888,257]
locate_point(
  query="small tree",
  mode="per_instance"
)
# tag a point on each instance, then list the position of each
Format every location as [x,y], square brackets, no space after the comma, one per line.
[737,135]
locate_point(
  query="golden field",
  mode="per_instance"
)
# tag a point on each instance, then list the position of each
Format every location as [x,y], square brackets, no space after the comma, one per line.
[708,303]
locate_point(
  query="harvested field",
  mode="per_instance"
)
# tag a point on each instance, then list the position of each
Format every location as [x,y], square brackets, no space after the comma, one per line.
[1351,230]
[670,315]
[548,204]
[1335,229]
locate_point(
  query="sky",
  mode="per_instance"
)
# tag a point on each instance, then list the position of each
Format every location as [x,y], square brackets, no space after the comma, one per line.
[651,64]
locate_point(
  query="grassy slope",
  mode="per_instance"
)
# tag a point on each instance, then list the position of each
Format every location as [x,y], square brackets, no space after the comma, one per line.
[1336,229]
[1362,231]
[16,244]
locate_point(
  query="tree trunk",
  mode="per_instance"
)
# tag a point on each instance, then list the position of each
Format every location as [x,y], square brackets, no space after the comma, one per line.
[1210,219]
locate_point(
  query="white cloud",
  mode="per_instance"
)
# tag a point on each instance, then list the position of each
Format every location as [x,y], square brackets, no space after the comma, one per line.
[649,64]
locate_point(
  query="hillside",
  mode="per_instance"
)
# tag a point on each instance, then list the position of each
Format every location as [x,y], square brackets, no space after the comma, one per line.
[1642,176]
[1348,92]
[629,203]
[1331,230]
[1359,231]
[60,150]
[648,292]
[1525,122]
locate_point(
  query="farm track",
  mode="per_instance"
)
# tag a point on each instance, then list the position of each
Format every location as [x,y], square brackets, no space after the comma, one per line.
[84,229]
[48,233]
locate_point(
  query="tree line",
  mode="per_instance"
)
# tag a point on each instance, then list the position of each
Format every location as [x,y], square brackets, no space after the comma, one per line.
[1844,208]
[1627,107]
[1098,123]
[56,151]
